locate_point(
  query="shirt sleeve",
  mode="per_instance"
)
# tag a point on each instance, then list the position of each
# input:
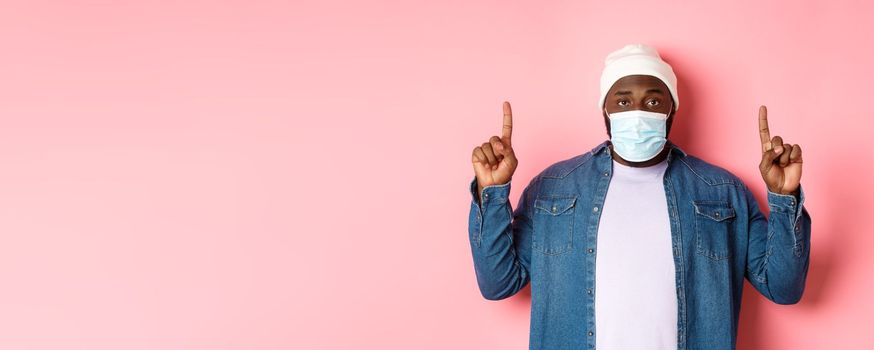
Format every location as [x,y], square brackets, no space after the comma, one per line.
[778,254]
[500,240]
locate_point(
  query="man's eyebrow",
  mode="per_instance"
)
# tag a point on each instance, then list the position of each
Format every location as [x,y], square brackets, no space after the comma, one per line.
[654,90]
[623,92]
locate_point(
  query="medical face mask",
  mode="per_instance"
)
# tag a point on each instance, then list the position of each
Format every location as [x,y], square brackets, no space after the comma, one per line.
[637,135]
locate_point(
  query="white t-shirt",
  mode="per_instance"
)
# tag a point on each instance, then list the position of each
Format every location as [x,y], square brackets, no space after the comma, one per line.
[635,289]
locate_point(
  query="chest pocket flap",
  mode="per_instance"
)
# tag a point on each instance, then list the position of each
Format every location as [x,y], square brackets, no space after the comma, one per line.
[555,205]
[715,210]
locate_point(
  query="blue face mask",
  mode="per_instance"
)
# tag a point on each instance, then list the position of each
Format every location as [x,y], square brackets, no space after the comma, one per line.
[637,135]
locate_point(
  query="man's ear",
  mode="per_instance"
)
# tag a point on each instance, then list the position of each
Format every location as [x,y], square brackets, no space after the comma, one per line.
[669,122]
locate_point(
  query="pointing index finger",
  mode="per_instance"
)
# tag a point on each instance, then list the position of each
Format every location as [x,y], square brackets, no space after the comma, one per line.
[508,122]
[764,132]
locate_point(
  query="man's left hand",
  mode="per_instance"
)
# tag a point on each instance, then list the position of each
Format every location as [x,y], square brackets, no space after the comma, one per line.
[781,161]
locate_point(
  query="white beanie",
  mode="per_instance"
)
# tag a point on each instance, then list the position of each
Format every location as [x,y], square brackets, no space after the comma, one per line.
[636,59]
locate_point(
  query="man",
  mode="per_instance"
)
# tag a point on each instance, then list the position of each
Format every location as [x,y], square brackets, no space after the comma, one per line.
[637,244]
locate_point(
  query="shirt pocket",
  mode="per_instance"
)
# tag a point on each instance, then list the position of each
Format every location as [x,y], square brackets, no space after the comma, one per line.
[714,221]
[553,224]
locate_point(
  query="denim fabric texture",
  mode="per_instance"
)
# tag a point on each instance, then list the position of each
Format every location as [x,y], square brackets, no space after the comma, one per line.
[719,234]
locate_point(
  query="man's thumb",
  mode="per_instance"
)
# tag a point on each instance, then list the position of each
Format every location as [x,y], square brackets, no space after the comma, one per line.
[768,159]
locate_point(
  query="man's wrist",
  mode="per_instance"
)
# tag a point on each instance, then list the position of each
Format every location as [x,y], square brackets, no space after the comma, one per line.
[790,203]
[497,193]
[793,193]
[491,193]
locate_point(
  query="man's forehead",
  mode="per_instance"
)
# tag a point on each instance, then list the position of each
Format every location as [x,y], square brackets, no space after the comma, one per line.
[639,82]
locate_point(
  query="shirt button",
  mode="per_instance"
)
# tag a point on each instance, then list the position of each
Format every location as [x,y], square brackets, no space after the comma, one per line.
[606,174]
[591,333]
[797,227]
[595,209]
[589,291]
[590,250]
[554,209]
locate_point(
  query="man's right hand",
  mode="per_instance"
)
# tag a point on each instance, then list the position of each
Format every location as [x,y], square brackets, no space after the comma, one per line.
[494,161]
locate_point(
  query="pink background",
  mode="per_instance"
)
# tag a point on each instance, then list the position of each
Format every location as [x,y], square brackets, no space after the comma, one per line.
[274,175]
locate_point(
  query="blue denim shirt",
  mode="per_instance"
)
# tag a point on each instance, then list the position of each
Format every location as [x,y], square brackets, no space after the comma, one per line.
[719,237]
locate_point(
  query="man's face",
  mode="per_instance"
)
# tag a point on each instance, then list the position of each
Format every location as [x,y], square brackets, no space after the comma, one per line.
[643,92]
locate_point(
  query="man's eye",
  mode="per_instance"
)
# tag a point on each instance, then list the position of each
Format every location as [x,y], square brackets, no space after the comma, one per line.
[622,103]
[653,103]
